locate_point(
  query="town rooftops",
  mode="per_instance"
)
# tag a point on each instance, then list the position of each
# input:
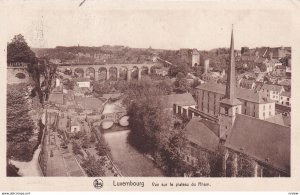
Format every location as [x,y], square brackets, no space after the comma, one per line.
[241,93]
[266,142]
[185,99]
[272,87]
[203,133]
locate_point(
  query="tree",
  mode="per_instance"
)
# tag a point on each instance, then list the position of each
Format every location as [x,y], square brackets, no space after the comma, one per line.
[19,51]
[93,167]
[175,69]
[166,86]
[181,83]
[76,148]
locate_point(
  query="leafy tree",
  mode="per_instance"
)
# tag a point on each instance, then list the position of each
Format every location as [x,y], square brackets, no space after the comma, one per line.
[93,167]
[102,147]
[181,83]
[76,148]
[19,51]
[19,124]
[175,69]
[166,86]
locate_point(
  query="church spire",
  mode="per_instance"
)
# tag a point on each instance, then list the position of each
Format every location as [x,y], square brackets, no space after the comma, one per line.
[230,87]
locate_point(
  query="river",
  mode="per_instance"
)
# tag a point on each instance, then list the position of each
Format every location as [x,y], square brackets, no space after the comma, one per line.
[129,161]
[31,168]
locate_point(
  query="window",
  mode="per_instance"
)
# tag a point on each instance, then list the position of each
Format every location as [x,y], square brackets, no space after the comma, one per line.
[270,107]
[264,107]
[253,114]
[226,110]
[245,103]
[269,113]
[245,111]
[263,114]
[288,99]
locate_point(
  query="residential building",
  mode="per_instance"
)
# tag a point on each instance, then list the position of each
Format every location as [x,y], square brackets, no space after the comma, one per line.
[75,126]
[272,91]
[247,83]
[285,98]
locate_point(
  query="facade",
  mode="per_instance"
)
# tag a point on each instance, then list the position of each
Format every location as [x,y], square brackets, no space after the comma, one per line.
[285,98]
[184,100]
[208,98]
[272,91]
[75,126]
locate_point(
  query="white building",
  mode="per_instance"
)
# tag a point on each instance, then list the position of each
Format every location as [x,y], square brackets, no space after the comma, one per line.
[272,91]
[285,98]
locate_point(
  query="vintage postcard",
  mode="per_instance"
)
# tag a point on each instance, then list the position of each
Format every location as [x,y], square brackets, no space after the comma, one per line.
[149,95]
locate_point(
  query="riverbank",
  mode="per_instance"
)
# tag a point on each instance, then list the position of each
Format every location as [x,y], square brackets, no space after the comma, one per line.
[131,162]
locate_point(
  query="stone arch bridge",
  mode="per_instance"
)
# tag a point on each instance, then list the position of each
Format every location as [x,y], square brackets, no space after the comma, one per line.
[96,70]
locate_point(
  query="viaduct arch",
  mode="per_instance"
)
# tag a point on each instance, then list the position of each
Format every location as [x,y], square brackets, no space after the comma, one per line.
[103,72]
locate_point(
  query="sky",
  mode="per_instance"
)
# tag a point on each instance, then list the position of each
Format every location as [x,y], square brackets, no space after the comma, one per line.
[161,28]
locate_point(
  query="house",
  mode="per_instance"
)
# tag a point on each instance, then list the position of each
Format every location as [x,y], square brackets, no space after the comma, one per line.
[266,144]
[74,125]
[285,98]
[83,82]
[247,83]
[280,70]
[272,91]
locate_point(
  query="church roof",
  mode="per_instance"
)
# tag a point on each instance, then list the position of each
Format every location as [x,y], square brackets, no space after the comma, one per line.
[203,133]
[262,140]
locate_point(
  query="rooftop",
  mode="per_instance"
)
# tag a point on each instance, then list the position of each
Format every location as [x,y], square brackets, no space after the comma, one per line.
[203,132]
[272,87]
[241,93]
[287,94]
[89,103]
[185,99]
[265,141]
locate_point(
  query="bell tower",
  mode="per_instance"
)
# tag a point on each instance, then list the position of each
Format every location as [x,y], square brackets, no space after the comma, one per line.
[229,104]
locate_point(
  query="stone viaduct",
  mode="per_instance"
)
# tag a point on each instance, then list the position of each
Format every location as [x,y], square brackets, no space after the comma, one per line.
[96,70]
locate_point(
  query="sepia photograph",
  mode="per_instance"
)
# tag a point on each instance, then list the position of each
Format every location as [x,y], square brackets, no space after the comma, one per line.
[132,92]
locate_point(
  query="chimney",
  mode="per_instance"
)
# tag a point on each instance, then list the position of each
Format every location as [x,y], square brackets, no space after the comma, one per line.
[206,65]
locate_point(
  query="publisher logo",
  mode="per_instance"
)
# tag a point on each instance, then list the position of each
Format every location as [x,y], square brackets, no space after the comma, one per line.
[98,183]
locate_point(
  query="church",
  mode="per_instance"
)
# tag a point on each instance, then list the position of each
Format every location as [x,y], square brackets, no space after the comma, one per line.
[247,145]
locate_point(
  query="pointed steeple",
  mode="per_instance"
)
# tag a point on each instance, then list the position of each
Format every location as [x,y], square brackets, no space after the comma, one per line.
[231,80]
